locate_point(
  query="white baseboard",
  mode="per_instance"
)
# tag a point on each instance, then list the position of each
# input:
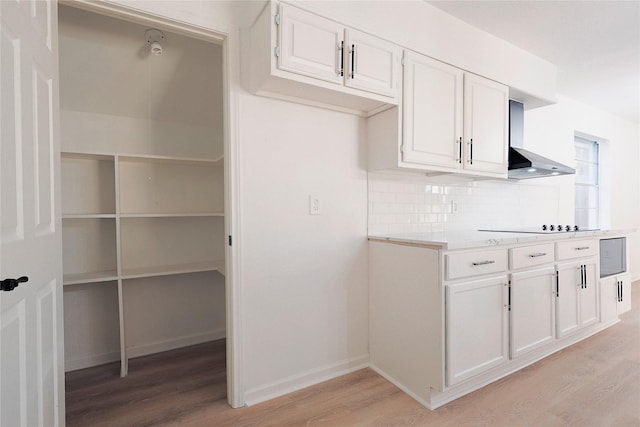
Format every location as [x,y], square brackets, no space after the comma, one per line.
[305,379]
[174,343]
[89,361]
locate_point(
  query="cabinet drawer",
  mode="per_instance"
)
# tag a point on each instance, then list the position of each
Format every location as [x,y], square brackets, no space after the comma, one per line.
[530,256]
[576,249]
[458,265]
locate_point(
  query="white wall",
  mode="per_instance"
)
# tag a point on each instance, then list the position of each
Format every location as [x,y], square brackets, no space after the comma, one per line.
[550,131]
[305,290]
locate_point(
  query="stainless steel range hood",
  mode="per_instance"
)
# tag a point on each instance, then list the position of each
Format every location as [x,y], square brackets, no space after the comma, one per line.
[524,164]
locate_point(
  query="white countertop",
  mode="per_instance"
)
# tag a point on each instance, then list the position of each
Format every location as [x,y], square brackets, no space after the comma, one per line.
[467,239]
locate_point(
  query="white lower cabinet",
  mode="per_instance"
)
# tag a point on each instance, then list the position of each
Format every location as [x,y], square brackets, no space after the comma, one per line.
[576,296]
[624,304]
[615,296]
[531,312]
[476,327]
[446,322]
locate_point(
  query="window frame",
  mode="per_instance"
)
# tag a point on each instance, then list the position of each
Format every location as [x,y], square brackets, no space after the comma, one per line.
[593,222]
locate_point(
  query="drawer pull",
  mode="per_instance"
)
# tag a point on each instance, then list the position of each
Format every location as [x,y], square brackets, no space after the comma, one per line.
[536,255]
[483,263]
[582,248]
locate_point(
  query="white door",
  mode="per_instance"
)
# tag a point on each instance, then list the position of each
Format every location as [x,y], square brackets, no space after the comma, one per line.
[532,313]
[568,287]
[31,322]
[486,125]
[476,327]
[372,64]
[310,45]
[432,104]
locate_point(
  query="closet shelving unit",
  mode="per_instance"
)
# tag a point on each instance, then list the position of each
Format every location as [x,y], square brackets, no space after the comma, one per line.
[128,216]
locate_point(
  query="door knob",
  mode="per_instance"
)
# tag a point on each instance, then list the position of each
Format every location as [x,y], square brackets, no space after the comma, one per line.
[11,284]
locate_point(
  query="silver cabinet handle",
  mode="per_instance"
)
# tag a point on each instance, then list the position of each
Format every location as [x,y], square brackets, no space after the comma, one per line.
[483,262]
[582,248]
[341,50]
[353,60]
[536,255]
[620,294]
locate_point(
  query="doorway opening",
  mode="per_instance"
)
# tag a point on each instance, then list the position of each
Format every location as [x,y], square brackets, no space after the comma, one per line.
[143,193]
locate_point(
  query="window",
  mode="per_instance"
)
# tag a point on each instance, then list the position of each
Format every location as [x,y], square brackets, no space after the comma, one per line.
[587,183]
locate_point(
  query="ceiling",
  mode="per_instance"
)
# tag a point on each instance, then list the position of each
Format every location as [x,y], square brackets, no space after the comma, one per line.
[594,44]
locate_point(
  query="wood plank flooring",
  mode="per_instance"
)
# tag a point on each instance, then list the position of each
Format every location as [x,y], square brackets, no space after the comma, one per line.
[594,383]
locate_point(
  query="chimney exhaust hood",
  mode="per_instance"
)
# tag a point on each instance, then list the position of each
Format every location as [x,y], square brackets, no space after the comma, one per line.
[523,164]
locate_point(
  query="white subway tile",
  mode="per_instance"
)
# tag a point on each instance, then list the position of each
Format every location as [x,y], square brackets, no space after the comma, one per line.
[374,196]
[414,203]
[388,197]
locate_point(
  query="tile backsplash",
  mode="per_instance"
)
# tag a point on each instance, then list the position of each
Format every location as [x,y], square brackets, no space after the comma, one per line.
[413,203]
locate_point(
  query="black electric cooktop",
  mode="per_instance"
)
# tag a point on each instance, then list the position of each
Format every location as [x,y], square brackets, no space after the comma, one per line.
[544,229]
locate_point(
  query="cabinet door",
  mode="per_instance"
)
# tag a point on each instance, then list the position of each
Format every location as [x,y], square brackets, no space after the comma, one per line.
[310,45]
[532,314]
[476,327]
[432,108]
[609,298]
[589,312]
[486,124]
[568,285]
[624,304]
[372,64]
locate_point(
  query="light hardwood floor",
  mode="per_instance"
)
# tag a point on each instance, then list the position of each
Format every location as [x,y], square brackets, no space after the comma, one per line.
[593,383]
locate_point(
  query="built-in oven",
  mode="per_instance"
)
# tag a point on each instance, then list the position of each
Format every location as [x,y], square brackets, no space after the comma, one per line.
[613,256]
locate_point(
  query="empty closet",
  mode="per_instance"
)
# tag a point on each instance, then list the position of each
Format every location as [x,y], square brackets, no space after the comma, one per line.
[142,189]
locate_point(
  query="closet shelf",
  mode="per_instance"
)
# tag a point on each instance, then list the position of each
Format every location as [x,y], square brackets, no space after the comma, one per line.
[135,273]
[90,216]
[166,270]
[86,155]
[91,277]
[218,161]
[171,215]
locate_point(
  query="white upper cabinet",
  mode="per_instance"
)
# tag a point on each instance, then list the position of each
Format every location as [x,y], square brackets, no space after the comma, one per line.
[451,121]
[372,64]
[486,125]
[310,45]
[317,47]
[303,57]
[432,109]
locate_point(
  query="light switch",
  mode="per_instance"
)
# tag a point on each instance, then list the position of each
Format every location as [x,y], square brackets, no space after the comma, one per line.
[314,205]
